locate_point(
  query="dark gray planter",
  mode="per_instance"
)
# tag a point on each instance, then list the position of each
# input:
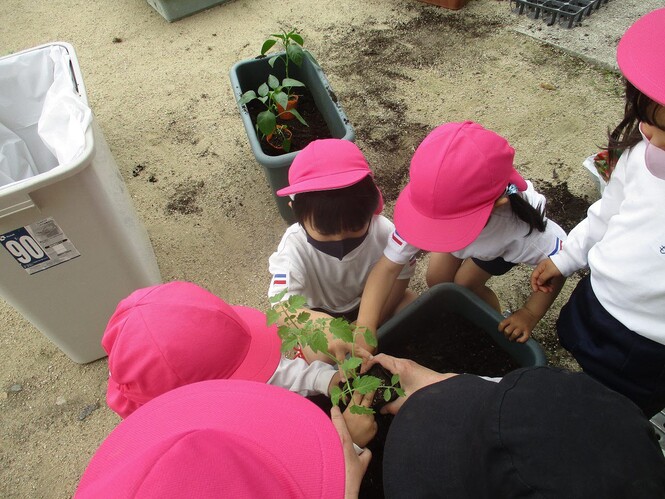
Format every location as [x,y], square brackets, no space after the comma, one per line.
[248,75]
[172,10]
[456,299]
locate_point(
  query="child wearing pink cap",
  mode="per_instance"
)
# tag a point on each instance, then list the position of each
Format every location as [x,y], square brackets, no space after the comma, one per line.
[169,335]
[339,235]
[466,203]
[614,321]
[226,439]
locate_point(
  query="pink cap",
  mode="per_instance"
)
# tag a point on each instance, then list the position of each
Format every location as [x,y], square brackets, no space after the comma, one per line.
[325,165]
[220,438]
[169,335]
[641,55]
[456,175]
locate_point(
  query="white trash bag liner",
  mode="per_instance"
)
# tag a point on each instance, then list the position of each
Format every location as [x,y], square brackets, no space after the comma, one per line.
[43,119]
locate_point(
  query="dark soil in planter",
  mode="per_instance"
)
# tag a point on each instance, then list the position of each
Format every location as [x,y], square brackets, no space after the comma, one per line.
[444,343]
[302,135]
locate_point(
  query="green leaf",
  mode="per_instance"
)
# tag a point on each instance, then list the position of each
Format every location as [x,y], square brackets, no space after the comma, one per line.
[394,379]
[272,316]
[366,384]
[290,82]
[267,45]
[341,329]
[370,339]
[295,53]
[263,90]
[335,395]
[386,395]
[295,113]
[303,317]
[297,301]
[284,332]
[359,409]
[266,122]
[351,364]
[273,82]
[281,98]
[248,96]
[399,391]
[296,38]
[278,297]
[286,145]
[288,345]
[318,342]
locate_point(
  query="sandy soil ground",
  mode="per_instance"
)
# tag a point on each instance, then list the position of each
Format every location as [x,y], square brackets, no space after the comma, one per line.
[162,96]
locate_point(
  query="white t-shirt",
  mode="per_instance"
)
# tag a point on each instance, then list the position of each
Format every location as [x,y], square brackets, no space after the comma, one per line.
[325,281]
[622,240]
[503,236]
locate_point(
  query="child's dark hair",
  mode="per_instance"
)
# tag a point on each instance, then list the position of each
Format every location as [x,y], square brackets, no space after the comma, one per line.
[527,213]
[638,108]
[338,210]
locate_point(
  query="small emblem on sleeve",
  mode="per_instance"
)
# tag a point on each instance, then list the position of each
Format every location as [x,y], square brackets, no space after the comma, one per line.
[557,247]
[278,280]
[398,240]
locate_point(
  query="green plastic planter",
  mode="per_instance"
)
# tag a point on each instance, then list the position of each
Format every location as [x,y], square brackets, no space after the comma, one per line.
[248,75]
[172,10]
[456,299]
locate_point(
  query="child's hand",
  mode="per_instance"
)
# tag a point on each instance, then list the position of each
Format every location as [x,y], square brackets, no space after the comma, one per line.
[519,325]
[542,275]
[355,465]
[412,377]
[362,427]
[338,348]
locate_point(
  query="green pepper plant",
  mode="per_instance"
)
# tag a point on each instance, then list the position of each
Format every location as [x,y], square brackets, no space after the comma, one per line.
[275,92]
[299,330]
[270,94]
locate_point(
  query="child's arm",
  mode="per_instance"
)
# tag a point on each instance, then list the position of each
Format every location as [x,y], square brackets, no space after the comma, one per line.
[298,376]
[376,293]
[519,325]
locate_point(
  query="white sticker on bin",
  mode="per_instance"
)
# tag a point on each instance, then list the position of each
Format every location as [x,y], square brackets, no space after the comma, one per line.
[39,246]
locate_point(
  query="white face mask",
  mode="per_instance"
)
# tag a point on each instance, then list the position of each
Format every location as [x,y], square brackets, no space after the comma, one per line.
[654,157]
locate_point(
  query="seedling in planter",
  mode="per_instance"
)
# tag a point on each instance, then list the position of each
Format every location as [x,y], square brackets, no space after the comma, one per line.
[270,94]
[280,138]
[299,330]
[292,45]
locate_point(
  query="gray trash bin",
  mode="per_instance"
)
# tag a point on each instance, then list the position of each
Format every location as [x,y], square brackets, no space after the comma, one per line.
[72,244]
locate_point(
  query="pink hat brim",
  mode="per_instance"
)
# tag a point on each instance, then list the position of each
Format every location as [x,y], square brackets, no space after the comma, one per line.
[264,351]
[269,437]
[328,182]
[641,55]
[443,235]
[439,235]
[343,178]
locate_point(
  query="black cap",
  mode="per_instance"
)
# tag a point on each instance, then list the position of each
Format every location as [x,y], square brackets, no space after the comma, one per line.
[539,433]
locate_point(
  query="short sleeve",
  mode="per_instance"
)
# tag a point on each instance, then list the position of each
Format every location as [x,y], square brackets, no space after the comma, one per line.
[397,250]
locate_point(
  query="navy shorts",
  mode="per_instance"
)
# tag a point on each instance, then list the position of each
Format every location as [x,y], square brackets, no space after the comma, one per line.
[610,352]
[498,266]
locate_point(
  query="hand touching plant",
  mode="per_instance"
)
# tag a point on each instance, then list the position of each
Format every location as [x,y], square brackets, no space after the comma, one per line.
[299,330]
